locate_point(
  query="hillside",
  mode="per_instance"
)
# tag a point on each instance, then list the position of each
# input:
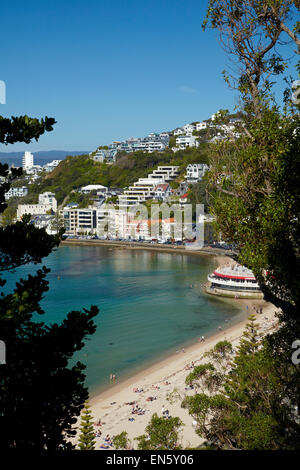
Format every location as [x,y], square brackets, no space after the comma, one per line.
[74,172]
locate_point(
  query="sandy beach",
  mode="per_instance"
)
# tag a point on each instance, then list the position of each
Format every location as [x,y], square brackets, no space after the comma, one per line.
[112,407]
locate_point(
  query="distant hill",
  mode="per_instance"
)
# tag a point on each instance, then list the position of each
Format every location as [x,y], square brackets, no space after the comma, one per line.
[40,158]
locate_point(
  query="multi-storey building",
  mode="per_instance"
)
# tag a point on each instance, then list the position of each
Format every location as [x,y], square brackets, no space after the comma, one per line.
[153,142]
[195,172]
[48,199]
[33,209]
[104,155]
[185,141]
[51,165]
[47,203]
[144,189]
[16,192]
[27,161]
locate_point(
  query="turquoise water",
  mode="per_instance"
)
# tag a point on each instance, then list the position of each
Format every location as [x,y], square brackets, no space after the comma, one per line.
[147,305]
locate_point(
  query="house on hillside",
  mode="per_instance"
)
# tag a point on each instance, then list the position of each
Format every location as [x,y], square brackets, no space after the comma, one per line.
[195,172]
[178,131]
[98,188]
[201,125]
[162,191]
[108,156]
[185,141]
[183,199]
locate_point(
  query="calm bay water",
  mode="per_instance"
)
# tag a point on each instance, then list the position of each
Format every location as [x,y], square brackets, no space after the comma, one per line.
[147,305]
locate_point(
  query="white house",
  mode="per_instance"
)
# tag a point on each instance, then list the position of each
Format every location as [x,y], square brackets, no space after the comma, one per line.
[178,131]
[51,165]
[201,125]
[189,128]
[93,187]
[16,192]
[195,172]
[186,141]
[162,191]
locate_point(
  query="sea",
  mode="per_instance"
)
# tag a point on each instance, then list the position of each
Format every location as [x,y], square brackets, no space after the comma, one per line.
[151,305]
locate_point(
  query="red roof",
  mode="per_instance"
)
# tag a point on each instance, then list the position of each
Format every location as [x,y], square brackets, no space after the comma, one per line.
[227,276]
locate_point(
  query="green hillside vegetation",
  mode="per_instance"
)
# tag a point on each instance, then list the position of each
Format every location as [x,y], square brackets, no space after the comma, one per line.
[81,170]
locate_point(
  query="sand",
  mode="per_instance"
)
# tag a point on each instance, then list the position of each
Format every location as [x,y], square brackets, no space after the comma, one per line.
[161,379]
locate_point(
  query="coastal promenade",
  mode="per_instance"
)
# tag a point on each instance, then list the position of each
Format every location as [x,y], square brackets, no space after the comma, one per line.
[209,251]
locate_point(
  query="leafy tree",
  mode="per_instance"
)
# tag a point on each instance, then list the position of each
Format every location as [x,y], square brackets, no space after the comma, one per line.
[249,408]
[23,129]
[87,435]
[255,197]
[121,441]
[41,393]
[160,434]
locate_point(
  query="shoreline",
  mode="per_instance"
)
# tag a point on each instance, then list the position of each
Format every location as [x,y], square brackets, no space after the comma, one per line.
[112,405]
[162,378]
[216,252]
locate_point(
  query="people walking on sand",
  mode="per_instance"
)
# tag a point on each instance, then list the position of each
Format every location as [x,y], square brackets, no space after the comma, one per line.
[114,378]
[111,377]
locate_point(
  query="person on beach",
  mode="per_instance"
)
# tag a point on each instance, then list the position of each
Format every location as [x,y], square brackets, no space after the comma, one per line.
[114,378]
[110,377]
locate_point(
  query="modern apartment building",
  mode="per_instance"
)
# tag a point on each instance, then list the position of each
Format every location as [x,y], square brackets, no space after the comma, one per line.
[186,141]
[16,192]
[144,189]
[104,155]
[27,161]
[153,142]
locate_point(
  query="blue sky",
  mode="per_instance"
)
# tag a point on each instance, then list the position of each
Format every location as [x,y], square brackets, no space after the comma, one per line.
[108,70]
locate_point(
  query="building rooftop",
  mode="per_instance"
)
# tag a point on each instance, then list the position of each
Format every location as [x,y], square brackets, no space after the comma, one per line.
[234,271]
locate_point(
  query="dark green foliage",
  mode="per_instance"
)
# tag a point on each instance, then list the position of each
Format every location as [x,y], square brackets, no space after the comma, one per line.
[86,439]
[23,129]
[23,243]
[199,194]
[41,393]
[249,410]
